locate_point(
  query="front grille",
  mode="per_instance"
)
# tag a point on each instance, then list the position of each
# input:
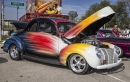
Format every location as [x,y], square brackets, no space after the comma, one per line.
[109,55]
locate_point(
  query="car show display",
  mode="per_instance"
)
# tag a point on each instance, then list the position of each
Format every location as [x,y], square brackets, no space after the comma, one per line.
[62,42]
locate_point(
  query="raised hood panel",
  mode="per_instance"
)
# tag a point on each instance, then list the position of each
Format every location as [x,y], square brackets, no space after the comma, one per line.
[19,25]
[92,23]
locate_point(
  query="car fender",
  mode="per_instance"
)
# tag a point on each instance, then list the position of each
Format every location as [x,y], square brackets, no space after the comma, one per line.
[14,40]
[109,44]
[85,50]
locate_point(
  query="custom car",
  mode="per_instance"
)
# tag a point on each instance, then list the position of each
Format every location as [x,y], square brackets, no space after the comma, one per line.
[123,44]
[62,42]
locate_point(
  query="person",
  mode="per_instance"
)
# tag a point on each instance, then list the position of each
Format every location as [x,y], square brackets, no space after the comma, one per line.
[115,30]
[14,32]
[125,31]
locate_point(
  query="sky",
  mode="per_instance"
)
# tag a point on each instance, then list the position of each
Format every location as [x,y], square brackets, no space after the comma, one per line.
[80,6]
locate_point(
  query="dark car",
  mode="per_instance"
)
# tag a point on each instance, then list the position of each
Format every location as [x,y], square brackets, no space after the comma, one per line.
[62,42]
[109,36]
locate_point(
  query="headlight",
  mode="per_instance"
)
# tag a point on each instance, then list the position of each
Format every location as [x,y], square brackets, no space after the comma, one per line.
[98,52]
[117,49]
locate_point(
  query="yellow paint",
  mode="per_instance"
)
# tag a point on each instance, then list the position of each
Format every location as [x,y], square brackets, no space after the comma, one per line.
[109,44]
[79,49]
[82,25]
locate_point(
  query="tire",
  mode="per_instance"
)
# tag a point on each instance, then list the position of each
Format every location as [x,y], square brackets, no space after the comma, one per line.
[14,52]
[78,64]
[121,53]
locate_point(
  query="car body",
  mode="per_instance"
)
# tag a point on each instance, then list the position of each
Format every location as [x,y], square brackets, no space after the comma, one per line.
[60,41]
[109,36]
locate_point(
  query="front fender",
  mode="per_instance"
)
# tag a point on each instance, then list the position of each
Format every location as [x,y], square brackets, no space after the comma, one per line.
[109,44]
[85,50]
[13,40]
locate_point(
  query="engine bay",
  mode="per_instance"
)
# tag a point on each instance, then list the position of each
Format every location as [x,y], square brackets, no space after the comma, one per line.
[92,40]
[86,39]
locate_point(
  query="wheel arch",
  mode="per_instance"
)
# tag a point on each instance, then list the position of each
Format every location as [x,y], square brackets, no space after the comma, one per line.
[85,50]
[16,42]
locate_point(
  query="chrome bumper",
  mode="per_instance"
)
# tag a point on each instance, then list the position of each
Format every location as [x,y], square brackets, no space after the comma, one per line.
[110,65]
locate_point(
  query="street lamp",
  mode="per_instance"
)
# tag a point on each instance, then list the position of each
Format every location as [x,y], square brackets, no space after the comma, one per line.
[17,12]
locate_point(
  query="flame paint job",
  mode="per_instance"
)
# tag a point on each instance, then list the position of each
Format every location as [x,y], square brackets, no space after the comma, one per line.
[41,42]
[45,43]
[88,21]
[73,49]
[82,25]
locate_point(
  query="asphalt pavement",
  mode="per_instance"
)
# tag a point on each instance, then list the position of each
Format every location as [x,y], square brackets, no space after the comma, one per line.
[31,71]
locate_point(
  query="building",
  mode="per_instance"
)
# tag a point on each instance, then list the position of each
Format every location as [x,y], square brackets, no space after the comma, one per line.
[7,26]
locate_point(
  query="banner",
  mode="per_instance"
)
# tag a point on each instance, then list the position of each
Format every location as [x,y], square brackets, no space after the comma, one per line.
[44,6]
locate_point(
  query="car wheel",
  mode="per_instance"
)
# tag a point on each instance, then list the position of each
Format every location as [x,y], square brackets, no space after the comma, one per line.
[14,53]
[78,64]
[121,53]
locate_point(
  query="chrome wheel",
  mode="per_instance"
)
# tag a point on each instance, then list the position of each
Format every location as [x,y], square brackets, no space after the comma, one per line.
[78,64]
[13,52]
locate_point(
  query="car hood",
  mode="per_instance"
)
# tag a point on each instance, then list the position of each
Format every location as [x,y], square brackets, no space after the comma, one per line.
[92,23]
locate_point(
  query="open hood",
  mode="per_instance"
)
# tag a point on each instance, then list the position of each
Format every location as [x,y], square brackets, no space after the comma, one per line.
[19,25]
[91,24]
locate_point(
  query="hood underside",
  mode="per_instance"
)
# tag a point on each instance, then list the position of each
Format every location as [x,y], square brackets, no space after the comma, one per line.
[91,24]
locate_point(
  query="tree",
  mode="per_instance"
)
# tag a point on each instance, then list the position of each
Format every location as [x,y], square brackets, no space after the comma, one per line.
[121,17]
[73,15]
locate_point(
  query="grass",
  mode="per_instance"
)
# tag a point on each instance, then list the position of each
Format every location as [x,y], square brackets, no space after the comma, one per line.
[4,37]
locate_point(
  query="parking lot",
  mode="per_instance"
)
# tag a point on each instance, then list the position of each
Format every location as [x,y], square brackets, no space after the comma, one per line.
[32,71]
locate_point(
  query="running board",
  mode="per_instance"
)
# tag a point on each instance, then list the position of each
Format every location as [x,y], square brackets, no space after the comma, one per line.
[42,59]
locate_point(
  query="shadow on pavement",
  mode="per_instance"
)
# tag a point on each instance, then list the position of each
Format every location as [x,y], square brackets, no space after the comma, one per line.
[117,69]
[125,59]
[48,64]
[3,60]
[2,53]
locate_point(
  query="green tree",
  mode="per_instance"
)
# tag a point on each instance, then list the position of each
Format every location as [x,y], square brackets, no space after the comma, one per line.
[121,17]
[73,15]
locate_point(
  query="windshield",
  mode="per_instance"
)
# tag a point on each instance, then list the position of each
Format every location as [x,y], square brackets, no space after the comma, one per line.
[65,26]
[108,34]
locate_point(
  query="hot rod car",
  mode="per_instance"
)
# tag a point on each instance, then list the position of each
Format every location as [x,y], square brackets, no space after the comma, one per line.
[62,42]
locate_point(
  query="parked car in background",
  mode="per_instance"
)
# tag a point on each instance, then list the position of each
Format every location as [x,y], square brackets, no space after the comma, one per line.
[122,43]
[62,42]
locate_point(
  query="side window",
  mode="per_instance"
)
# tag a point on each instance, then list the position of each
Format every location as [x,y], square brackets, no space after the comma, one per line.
[61,27]
[98,35]
[47,27]
[33,28]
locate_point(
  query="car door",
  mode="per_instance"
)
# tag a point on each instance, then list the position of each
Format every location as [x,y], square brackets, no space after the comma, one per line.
[27,36]
[43,40]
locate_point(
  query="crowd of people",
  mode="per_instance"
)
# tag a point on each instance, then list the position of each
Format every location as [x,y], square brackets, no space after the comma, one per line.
[123,33]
